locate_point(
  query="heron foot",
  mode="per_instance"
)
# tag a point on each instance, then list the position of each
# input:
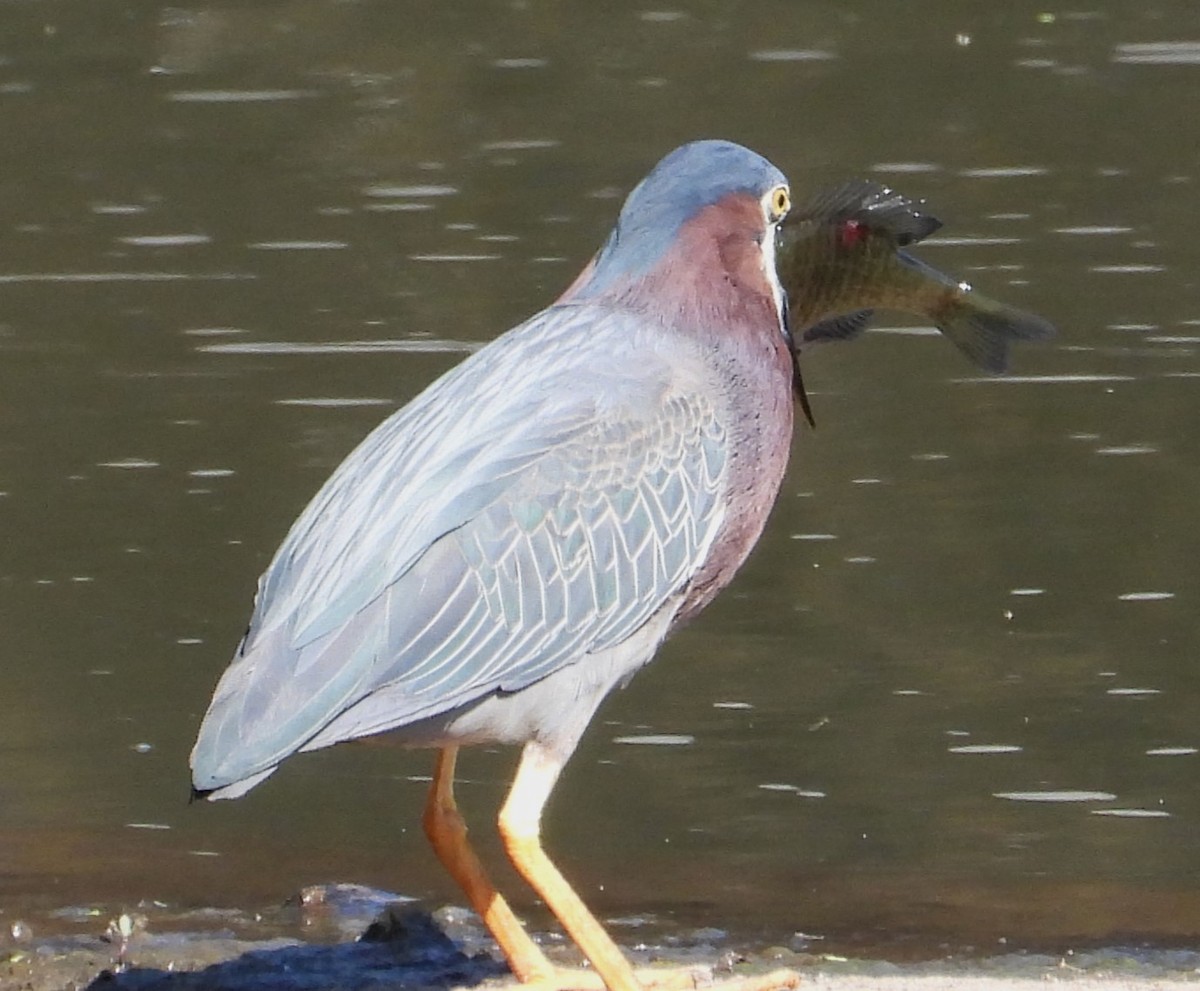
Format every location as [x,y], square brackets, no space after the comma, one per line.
[659,979]
[703,979]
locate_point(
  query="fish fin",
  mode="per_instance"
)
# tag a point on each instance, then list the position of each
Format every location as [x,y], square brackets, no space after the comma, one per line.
[983,330]
[841,328]
[876,206]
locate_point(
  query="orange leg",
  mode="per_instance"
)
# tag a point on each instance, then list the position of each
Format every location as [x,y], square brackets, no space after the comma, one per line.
[520,829]
[448,835]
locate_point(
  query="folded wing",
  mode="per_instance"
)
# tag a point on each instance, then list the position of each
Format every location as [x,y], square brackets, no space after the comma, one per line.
[477,541]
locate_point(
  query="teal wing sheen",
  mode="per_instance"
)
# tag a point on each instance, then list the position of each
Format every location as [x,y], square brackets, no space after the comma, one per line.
[464,561]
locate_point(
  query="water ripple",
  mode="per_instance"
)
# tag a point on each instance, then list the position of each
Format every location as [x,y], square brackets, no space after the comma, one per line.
[435,346]
[791,789]
[520,63]
[453,257]
[240,95]
[400,192]
[905,168]
[1133,813]
[1158,53]
[986,748]
[1004,172]
[943,242]
[1131,269]
[12,278]
[166,240]
[298,245]
[1092,229]
[792,55]
[127,463]
[520,144]
[1055,796]
[118,209]
[1045,379]
[332,402]
[1127,449]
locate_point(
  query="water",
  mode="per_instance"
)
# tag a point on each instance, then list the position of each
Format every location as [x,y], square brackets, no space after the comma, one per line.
[952,695]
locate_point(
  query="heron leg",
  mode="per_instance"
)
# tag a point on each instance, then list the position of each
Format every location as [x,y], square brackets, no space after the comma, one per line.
[447,834]
[520,829]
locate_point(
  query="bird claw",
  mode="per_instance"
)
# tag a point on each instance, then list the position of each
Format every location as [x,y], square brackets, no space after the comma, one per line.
[659,979]
[702,979]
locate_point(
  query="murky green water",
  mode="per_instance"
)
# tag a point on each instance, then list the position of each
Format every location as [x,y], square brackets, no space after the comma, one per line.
[235,236]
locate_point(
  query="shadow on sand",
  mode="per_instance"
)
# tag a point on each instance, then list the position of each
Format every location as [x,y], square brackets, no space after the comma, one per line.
[404,949]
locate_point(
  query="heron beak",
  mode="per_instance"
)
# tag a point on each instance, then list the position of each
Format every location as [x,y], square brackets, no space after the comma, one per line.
[797,378]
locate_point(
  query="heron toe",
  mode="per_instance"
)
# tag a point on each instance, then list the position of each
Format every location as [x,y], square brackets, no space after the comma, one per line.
[660,979]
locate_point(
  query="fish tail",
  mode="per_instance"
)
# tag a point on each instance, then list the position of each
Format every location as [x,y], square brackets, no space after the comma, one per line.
[983,329]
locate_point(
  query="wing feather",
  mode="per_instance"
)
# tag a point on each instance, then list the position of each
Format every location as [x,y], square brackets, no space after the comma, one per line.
[446,560]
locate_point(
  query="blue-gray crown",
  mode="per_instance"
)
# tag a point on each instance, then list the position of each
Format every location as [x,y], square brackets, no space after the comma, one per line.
[690,178]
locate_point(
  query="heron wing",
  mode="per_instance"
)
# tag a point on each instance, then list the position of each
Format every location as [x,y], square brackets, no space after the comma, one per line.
[451,555]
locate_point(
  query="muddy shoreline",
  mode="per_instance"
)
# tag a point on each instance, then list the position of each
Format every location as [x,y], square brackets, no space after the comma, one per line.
[347,937]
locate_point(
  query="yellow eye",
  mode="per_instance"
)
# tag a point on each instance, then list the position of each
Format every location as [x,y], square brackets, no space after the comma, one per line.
[778,202]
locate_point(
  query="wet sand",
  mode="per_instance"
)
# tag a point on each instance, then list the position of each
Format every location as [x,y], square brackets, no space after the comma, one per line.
[344,937]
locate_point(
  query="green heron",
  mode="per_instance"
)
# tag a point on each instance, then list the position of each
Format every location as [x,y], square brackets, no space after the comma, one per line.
[499,554]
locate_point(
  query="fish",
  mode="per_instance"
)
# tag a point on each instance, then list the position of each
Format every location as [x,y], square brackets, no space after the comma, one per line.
[842,255]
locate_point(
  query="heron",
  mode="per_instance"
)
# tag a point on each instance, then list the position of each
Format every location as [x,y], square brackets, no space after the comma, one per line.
[499,554]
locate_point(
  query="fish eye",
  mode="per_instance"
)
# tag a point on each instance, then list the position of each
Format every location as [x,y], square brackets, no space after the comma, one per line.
[778,201]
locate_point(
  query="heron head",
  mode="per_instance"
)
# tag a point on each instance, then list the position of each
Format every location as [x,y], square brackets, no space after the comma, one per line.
[715,186]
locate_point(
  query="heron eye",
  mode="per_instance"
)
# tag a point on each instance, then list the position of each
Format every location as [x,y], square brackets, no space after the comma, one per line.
[779,201]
